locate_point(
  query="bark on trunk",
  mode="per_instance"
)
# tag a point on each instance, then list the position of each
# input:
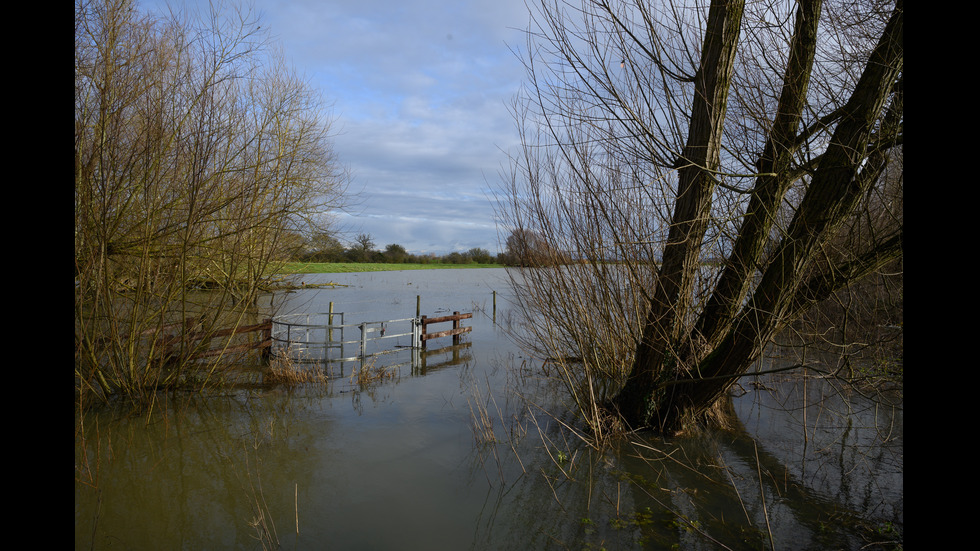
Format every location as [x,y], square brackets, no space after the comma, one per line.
[772,184]
[660,390]
[695,187]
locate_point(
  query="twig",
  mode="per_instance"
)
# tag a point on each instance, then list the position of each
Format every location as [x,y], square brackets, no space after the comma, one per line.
[762,494]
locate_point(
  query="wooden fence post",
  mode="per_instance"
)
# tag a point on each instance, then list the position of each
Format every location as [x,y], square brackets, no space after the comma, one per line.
[266,349]
[455,327]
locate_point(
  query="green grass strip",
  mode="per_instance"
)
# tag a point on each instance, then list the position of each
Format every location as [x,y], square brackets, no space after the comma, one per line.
[347,267]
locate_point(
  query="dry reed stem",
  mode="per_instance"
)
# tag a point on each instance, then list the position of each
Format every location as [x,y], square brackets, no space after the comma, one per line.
[282,370]
[261,522]
[372,373]
[762,495]
[482,421]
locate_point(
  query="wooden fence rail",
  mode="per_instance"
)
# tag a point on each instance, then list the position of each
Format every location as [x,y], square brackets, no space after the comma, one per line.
[456,331]
[264,344]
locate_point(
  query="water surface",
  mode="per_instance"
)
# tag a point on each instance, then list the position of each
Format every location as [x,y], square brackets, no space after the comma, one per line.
[406,464]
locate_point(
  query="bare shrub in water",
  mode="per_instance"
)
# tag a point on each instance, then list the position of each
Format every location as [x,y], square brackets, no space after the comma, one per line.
[197,154]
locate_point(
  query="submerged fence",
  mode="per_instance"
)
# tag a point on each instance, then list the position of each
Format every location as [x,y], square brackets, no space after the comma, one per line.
[175,338]
[325,337]
[320,337]
[313,338]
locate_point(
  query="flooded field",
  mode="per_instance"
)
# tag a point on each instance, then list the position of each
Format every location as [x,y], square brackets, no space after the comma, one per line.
[444,453]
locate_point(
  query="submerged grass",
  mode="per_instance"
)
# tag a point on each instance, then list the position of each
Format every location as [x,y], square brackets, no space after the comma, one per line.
[284,371]
[371,373]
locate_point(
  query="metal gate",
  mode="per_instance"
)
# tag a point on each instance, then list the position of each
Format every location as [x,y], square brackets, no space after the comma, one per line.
[324,337]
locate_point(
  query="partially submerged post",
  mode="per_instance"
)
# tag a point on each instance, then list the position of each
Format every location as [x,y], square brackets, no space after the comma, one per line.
[455,332]
[455,327]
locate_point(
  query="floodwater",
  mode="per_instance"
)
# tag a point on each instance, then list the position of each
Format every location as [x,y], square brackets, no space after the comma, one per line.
[445,455]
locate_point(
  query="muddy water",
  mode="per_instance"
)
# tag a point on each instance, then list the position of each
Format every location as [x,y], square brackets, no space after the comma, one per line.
[408,464]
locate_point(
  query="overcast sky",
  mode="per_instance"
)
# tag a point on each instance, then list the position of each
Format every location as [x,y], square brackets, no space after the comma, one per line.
[419,92]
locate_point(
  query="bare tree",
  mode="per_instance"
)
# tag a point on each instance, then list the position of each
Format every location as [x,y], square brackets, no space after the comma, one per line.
[714,170]
[526,248]
[198,154]
[362,250]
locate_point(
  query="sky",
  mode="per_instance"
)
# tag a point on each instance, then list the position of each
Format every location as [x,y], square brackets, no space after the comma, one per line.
[418,91]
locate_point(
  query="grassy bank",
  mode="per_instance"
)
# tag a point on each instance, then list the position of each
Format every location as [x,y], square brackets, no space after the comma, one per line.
[345,267]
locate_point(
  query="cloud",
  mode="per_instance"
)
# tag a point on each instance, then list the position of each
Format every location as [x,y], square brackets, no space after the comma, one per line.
[419,90]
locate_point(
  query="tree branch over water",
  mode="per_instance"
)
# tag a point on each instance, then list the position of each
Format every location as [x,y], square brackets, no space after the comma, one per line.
[703,176]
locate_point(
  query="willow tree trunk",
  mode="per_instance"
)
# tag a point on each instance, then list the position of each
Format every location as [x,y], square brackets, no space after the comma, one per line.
[696,184]
[744,145]
[680,370]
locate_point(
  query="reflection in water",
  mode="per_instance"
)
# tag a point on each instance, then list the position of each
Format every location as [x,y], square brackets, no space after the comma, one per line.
[444,456]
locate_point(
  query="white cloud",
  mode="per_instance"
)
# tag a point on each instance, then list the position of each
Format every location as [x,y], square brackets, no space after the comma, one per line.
[419,90]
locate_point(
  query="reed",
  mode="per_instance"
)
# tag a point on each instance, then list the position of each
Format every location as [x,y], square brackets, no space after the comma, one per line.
[481,420]
[371,373]
[283,370]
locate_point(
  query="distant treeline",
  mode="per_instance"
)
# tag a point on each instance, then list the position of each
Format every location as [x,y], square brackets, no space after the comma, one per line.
[329,249]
